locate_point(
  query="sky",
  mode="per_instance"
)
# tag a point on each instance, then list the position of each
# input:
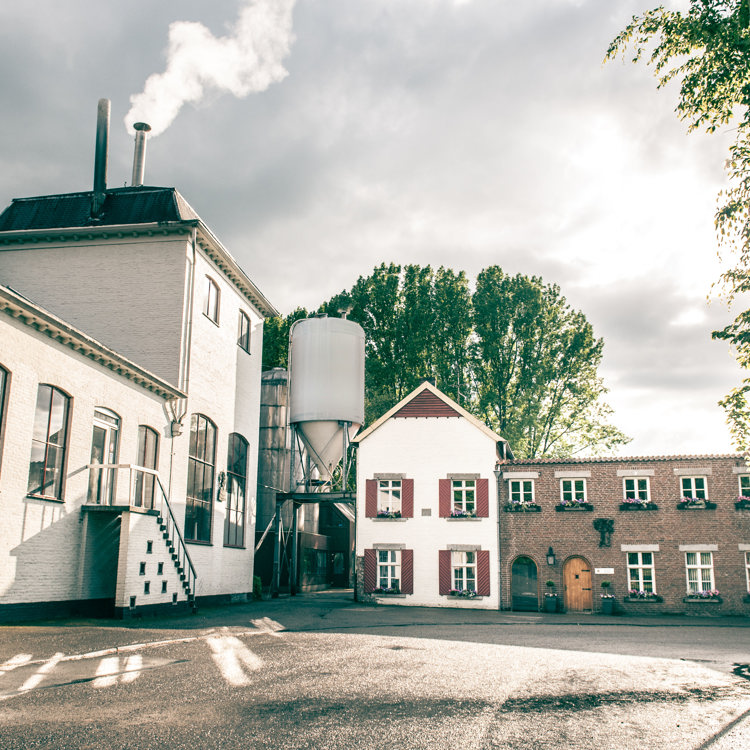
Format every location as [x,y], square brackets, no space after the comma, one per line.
[319,138]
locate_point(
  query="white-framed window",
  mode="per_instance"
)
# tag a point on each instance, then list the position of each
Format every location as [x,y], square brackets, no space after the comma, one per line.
[699,567]
[4,376]
[104,447]
[521,490]
[747,570]
[744,480]
[211,302]
[636,488]
[694,487]
[641,572]
[49,443]
[573,490]
[243,337]
[464,570]
[389,496]
[464,495]
[389,569]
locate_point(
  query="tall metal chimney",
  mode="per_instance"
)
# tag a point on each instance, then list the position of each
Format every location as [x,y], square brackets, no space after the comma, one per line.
[100,157]
[139,157]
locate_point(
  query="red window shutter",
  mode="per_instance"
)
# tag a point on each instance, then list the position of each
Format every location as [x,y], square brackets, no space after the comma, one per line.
[445,498]
[444,571]
[371,572]
[407,498]
[371,498]
[483,498]
[483,572]
[407,571]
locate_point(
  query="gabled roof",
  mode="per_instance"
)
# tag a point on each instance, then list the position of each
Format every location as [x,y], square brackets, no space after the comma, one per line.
[131,210]
[30,314]
[426,401]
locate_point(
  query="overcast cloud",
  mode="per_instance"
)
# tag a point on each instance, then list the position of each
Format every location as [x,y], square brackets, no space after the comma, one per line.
[444,132]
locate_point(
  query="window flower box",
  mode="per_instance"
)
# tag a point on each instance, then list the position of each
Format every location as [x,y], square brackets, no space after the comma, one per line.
[458,513]
[742,503]
[638,595]
[566,505]
[637,504]
[695,503]
[463,594]
[388,514]
[522,507]
[703,596]
[393,591]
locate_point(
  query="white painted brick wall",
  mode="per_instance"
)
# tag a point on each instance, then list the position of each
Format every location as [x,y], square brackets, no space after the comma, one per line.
[426,450]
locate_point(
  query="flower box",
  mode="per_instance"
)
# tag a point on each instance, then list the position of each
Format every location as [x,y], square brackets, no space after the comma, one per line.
[742,503]
[563,507]
[522,508]
[388,514]
[463,594]
[690,503]
[462,514]
[642,596]
[638,505]
[703,596]
[394,591]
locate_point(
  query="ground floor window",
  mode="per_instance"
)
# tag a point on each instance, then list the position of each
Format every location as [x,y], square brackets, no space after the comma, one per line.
[747,570]
[700,572]
[464,570]
[389,569]
[641,572]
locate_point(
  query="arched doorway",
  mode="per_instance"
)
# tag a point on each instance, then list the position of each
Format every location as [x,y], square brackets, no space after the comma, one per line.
[524,590]
[577,584]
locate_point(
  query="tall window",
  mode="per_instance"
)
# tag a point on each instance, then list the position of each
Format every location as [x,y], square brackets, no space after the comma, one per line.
[200,488]
[521,490]
[389,569]
[211,303]
[464,496]
[636,488]
[389,496]
[104,444]
[641,571]
[694,487]
[464,570]
[48,443]
[744,483]
[700,571]
[148,455]
[573,490]
[243,339]
[747,570]
[3,398]
[234,526]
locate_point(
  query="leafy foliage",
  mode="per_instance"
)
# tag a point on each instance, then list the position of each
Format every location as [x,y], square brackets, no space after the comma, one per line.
[514,354]
[707,48]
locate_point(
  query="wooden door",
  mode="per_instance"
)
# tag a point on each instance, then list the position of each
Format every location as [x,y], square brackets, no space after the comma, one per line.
[577,585]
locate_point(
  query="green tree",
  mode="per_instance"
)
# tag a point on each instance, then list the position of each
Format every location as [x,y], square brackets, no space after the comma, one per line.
[535,369]
[707,48]
[276,338]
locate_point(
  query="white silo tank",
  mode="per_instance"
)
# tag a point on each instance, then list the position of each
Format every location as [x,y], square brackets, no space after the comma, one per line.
[327,385]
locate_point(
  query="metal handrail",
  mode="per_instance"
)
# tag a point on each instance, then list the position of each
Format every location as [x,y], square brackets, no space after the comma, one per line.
[173,530]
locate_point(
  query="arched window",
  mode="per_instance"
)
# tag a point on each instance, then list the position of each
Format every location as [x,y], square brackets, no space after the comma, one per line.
[4,378]
[234,527]
[243,338]
[48,443]
[200,487]
[211,303]
[148,456]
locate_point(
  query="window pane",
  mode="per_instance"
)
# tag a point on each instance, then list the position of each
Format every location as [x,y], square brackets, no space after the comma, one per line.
[41,415]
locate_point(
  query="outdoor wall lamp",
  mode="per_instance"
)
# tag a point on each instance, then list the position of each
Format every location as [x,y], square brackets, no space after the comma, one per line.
[550,556]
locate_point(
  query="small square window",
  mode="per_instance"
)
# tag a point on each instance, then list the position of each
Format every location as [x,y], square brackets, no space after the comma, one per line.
[636,488]
[694,488]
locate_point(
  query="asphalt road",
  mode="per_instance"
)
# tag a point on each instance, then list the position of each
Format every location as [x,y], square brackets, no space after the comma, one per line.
[321,671]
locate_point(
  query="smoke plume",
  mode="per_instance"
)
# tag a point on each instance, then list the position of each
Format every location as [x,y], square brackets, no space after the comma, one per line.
[245,61]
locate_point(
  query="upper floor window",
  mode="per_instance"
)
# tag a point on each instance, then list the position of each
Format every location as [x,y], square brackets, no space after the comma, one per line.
[211,303]
[521,490]
[148,456]
[234,526]
[573,490]
[243,339]
[464,496]
[200,487]
[389,497]
[4,377]
[744,484]
[48,443]
[694,487]
[636,488]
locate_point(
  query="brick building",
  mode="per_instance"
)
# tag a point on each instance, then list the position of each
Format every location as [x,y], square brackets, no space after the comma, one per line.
[667,534]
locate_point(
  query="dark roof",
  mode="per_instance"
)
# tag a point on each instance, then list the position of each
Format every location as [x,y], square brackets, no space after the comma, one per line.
[131,205]
[426,404]
[622,459]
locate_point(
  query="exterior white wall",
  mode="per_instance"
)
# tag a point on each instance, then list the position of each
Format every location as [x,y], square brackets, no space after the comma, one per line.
[223,385]
[427,449]
[125,293]
[42,555]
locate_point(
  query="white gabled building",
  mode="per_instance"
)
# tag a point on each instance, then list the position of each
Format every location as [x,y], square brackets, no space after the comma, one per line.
[124,317]
[427,510]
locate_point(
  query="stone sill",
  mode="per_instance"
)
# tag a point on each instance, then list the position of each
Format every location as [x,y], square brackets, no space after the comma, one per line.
[462,519]
[463,598]
[702,600]
[389,519]
[533,508]
[644,600]
[389,596]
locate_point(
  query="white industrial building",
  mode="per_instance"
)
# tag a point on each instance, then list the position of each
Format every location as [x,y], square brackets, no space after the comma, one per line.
[130,363]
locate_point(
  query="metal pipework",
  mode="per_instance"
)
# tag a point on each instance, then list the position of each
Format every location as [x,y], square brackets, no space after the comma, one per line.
[139,157]
[100,156]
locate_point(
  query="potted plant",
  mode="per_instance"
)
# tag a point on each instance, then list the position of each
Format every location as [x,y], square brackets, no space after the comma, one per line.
[550,597]
[608,598]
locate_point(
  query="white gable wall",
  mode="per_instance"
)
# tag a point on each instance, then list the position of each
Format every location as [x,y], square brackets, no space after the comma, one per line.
[427,449]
